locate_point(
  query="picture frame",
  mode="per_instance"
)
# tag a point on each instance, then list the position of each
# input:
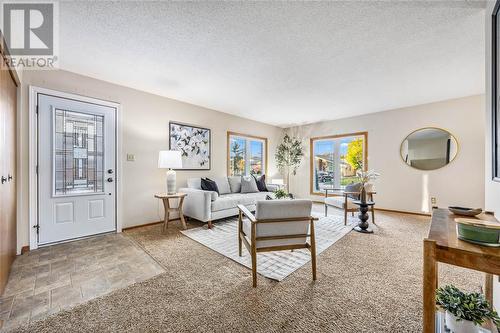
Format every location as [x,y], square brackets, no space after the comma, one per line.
[194,142]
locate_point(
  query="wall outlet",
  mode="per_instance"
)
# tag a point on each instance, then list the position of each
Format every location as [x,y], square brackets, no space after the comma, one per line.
[130,157]
[433,201]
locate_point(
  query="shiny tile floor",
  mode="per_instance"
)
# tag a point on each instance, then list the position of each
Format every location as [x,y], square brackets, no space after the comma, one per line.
[50,279]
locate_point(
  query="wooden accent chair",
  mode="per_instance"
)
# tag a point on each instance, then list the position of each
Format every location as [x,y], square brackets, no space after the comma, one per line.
[277,225]
[343,199]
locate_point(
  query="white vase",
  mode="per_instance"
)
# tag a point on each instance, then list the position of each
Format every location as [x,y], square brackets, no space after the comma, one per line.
[460,326]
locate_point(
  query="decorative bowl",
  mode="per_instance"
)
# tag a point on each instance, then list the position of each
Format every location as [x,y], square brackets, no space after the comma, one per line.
[465,211]
[478,231]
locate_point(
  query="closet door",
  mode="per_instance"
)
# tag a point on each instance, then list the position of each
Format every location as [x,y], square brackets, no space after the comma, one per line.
[8,107]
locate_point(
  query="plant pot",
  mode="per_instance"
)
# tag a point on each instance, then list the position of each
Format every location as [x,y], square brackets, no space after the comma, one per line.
[459,326]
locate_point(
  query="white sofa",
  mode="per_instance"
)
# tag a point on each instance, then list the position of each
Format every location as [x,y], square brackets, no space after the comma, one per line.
[207,206]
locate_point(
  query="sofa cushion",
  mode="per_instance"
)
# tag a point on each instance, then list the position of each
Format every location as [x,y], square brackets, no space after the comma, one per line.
[235,184]
[261,183]
[194,183]
[229,201]
[339,202]
[248,184]
[222,185]
[209,185]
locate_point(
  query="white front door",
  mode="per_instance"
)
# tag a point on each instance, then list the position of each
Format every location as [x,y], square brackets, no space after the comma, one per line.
[76,169]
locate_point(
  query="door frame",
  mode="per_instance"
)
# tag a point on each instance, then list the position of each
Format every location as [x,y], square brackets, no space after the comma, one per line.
[33,155]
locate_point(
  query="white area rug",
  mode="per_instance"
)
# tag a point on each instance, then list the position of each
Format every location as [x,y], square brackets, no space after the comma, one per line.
[278,265]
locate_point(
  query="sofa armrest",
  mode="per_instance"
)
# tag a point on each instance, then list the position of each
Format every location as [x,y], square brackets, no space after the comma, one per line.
[197,203]
[272,187]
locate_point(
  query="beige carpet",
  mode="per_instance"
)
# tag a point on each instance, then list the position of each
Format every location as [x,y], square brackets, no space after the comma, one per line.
[366,283]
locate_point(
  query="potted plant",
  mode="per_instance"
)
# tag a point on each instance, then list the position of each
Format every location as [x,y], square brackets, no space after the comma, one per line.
[465,312]
[281,194]
[288,157]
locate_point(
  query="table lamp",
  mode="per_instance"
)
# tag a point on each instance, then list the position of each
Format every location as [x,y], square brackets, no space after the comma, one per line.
[170,159]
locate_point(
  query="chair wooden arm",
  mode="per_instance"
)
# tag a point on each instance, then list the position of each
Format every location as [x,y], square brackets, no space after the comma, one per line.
[247,213]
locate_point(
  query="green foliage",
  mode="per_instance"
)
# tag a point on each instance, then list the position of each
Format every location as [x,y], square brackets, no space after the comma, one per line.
[280,194]
[354,155]
[289,155]
[466,306]
[237,150]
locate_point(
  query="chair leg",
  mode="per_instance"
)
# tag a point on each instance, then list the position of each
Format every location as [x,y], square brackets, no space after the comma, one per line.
[254,255]
[313,250]
[373,215]
[240,218]
[352,214]
[326,210]
[254,268]
[345,216]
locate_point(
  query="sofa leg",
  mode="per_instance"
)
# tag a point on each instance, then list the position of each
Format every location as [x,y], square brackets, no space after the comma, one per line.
[210,224]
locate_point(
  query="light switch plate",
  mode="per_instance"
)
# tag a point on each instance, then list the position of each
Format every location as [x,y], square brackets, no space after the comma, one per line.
[130,157]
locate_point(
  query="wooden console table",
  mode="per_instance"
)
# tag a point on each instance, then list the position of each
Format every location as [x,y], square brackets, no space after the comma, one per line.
[442,245]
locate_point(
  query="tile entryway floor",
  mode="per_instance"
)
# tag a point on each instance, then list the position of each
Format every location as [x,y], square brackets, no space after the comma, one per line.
[50,279]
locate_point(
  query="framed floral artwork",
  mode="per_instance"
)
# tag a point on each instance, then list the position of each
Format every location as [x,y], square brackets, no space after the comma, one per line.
[194,144]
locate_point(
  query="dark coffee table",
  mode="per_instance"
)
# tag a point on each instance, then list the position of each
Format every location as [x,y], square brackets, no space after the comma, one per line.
[363,216]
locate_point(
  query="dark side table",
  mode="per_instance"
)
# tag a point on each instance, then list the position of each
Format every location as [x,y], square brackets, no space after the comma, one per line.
[363,216]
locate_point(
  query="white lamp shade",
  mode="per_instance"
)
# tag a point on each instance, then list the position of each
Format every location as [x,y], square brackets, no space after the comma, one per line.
[170,159]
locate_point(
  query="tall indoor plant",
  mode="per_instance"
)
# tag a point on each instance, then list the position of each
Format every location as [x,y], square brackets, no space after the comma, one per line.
[289,156]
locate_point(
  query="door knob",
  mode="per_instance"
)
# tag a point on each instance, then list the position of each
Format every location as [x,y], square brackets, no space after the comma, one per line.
[4,179]
[9,178]
[110,180]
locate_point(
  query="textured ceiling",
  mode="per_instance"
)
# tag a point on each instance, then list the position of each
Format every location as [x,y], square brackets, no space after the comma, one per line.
[283,63]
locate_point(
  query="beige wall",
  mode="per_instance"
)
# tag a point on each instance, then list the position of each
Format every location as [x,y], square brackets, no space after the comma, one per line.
[492,189]
[401,187]
[145,119]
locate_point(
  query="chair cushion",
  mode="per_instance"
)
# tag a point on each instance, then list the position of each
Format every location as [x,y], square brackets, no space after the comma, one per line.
[274,229]
[355,187]
[222,185]
[235,184]
[339,202]
[248,185]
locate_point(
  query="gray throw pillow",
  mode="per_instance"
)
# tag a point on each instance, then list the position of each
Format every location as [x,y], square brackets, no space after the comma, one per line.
[355,187]
[222,185]
[248,184]
[235,184]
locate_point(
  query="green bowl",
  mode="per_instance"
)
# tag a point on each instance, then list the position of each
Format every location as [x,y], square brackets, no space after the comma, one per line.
[478,235]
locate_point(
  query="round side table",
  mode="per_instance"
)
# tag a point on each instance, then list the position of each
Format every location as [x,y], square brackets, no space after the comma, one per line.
[363,216]
[166,203]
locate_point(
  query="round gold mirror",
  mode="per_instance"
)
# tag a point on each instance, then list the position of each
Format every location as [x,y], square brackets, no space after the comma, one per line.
[429,148]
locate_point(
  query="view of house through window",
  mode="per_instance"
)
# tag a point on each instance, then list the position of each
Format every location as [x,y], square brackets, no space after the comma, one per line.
[247,155]
[335,160]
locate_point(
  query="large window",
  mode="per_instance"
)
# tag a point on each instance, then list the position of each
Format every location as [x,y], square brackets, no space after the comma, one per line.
[336,159]
[247,155]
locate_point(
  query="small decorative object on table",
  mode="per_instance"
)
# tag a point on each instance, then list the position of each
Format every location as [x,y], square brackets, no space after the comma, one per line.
[478,231]
[465,211]
[282,194]
[168,210]
[465,312]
